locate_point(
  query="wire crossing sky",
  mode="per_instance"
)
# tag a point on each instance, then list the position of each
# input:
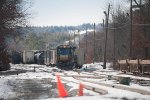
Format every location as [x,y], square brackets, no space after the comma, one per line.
[67,12]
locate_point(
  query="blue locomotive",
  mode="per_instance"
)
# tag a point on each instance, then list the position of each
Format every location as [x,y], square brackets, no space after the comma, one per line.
[70,57]
[66,58]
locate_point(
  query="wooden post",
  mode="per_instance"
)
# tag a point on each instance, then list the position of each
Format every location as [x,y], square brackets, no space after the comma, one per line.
[138,65]
[34,68]
[17,72]
[119,64]
[128,66]
[94,46]
[142,70]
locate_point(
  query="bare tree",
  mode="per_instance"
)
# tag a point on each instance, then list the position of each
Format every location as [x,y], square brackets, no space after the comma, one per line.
[12,16]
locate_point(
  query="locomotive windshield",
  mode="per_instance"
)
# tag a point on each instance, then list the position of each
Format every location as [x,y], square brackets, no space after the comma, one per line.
[63,51]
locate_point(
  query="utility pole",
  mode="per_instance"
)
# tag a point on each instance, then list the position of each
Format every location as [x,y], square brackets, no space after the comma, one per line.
[114,54]
[94,46]
[131,29]
[74,38]
[86,44]
[69,39]
[103,23]
[106,27]
[79,37]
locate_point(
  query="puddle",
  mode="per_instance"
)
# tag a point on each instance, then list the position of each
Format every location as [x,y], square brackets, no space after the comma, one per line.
[27,89]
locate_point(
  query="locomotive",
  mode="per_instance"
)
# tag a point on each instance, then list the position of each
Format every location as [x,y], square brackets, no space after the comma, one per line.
[69,57]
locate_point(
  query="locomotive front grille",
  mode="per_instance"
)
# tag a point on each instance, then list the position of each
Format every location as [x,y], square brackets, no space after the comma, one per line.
[64,57]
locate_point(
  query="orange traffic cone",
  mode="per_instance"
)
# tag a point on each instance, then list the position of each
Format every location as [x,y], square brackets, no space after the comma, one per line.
[61,89]
[80,92]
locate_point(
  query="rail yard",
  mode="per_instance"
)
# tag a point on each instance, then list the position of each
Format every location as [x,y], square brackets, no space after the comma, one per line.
[74,49]
[32,81]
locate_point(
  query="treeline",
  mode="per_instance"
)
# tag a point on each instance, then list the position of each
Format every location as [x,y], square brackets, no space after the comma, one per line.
[57,29]
[122,41]
[37,38]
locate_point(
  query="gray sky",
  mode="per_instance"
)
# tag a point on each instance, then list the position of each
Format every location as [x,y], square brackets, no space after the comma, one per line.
[68,12]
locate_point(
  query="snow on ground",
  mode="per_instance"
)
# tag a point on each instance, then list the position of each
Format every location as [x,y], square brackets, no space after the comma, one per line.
[140,87]
[81,31]
[96,69]
[5,89]
[84,31]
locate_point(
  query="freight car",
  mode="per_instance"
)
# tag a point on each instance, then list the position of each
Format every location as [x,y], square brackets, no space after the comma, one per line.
[50,57]
[28,57]
[69,57]
[39,57]
[16,57]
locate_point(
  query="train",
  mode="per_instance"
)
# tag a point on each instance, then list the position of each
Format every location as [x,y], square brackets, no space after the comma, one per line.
[64,57]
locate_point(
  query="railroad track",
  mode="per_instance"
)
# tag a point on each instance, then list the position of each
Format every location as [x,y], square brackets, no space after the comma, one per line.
[118,86]
[88,87]
[102,91]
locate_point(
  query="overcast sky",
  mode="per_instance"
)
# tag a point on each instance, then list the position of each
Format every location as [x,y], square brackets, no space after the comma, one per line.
[67,12]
